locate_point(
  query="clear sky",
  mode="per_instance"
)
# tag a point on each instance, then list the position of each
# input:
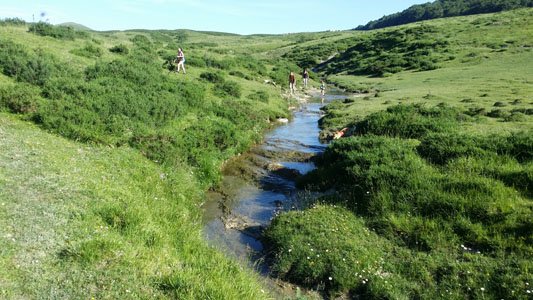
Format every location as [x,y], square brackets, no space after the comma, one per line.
[235,16]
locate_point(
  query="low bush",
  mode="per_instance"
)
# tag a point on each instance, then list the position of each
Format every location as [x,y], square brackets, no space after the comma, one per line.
[213,77]
[324,248]
[12,22]
[259,96]
[439,148]
[89,51]
[498,113]
[228,88]
[515,117]
[21,98]
[32,67]
[409,121]
[58,32]
[119,49]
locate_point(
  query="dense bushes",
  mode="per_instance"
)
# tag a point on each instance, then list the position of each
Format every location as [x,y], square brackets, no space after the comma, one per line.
[12,22]
[443,206]
[222,87]
[326,247]
[59,32]
[31,67]
[22,98]
[89,50]
[120,49]
[129,101]
[409,121]
[419,48]
[228,88]
[213,77]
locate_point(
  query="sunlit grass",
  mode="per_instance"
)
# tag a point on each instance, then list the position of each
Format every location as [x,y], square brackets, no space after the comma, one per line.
[82,221]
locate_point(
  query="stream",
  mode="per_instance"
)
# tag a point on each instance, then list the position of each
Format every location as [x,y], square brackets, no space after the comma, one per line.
[261,183]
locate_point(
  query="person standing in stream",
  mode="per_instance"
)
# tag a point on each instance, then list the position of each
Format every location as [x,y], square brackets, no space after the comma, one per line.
[180,59]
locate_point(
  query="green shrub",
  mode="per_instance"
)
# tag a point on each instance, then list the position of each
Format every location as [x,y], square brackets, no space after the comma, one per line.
[21,98]
[213,77]
[120,49]
[58,32]
[325,248]
[377,164]
[439,148]
[196,62]
[240,75]
[89,51]
[515,117]
[228,88]
[12,22]
[409,121]
[498,113]
[259,96]
[476,111]
[35,68]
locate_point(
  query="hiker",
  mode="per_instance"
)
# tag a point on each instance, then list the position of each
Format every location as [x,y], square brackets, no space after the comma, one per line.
[322,88]
[305,76]
[180,59]
[292,82]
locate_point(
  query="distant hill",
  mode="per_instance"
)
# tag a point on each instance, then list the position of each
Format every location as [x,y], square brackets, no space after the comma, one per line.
[443,9]
[75,26]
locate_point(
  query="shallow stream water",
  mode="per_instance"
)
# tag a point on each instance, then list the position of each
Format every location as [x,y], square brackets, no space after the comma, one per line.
[260,184]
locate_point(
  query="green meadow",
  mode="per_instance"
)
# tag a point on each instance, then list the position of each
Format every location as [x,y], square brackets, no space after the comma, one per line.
[106,154]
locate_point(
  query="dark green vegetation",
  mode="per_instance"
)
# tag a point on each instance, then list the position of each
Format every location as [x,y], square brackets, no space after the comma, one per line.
[129,101]
[457,207]
[430,190]
[113,212]
[385,52]
[417,47]
[443,9]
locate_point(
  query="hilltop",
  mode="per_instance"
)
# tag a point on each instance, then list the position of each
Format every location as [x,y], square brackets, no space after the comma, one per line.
[76,26]
[444,9]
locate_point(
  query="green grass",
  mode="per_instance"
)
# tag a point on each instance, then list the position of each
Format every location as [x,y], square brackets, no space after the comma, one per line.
[435,165]
[81,221]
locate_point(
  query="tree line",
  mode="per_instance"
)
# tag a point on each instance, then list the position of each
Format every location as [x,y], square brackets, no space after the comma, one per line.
[443,9]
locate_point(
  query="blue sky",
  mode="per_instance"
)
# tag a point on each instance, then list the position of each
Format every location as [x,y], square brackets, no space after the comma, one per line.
[235,16]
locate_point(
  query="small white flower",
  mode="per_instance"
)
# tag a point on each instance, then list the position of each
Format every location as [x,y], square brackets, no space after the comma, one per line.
[482,289]
[330,278]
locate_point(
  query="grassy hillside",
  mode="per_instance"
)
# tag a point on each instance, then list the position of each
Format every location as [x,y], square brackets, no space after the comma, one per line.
[443,9]
[433,175]
[113,212]
[80,221]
